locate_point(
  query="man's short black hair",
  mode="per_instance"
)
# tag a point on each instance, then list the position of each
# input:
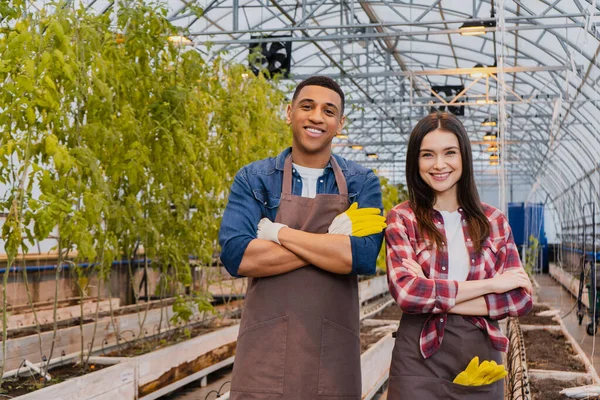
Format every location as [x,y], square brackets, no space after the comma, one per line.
[322,81]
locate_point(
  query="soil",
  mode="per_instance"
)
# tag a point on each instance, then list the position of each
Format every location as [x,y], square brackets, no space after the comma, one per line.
[26,383]
[549,389]
[550,350]
[391,313]
[146,345]
[367,338]
[532,319]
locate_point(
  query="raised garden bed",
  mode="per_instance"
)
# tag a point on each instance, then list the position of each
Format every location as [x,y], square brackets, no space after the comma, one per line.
[150,375]
[569,282]
[550,351]
[549,389]
[126,325]
[166,339]
[111,382]
[534,319]
[555,360]
[26,381]
[377,344]
[371,288]
[162,371]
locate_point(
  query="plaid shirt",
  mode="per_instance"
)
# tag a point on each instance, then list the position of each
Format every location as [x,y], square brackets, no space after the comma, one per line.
[436,294]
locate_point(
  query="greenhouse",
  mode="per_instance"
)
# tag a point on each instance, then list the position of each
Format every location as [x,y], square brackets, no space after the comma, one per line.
[299,200]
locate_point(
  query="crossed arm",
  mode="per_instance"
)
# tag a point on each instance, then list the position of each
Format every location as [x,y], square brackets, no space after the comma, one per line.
[245,255]
[470,298]
[507,293]
[297,249]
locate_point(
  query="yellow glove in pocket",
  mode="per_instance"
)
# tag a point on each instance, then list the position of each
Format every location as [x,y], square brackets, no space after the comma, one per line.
[358,222]
[477,374]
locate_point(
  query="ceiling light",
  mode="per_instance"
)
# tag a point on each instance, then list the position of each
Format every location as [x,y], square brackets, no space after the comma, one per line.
[493,148]
[478,74]
[494,156]
[489,122]
[179,40]
[342,136]
[472,28]
[356,147]
[484,101]
[374,156]
[494,162]
[490,136]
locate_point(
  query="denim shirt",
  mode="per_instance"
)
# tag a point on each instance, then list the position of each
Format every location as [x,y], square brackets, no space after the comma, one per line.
[255,194]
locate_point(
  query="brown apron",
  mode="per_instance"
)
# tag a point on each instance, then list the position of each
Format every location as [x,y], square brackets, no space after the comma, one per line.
[412,377]
[299,335]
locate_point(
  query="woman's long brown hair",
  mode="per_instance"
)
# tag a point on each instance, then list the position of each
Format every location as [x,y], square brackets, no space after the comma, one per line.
[422,196]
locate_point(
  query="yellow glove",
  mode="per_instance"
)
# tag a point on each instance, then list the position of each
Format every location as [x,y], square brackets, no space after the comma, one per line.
[477,374]
[466,377]
[358,222]
[489,372]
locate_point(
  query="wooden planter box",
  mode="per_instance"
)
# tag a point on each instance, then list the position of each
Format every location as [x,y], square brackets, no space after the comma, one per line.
[371,288]
[167,369]
[150,375]
[569,282]
[545,382]
[115,382]
[68,340]
[375,361]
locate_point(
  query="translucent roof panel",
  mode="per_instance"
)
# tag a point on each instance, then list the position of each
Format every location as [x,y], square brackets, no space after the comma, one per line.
[394,59]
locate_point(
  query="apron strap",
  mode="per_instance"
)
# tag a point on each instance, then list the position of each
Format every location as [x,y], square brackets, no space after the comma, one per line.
[337,171]
[339,177]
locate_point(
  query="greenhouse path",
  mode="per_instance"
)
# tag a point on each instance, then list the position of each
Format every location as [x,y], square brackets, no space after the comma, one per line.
[553,294]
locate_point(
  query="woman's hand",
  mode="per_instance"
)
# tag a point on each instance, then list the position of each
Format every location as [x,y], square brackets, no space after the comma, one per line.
[413,267]
[512,279]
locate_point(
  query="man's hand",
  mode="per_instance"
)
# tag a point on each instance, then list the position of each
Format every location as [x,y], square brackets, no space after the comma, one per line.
[358,222]
[268,230]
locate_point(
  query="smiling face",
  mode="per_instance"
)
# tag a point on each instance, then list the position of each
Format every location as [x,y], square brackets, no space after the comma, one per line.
[440,162]
[315,117]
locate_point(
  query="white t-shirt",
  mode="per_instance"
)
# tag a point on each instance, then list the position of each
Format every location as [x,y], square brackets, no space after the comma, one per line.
[310,177]
[458,256]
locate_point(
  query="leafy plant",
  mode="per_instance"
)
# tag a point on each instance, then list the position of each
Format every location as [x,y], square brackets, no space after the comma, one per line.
[122,142]
[391,196]
[531,255]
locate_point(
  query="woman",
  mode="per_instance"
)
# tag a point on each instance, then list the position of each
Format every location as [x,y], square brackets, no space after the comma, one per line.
[453,268]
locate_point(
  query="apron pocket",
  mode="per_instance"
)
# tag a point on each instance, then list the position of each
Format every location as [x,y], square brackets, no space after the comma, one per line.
[426,388]
[260,357]
[339,362]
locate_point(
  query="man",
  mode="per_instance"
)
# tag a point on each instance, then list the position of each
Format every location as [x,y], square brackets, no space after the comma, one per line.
[299,335]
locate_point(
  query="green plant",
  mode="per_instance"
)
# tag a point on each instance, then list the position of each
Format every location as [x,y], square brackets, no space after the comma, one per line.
[531,255]
[391,195]
[121,141]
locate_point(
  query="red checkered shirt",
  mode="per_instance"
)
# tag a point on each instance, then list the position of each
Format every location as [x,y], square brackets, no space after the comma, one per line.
[436,294]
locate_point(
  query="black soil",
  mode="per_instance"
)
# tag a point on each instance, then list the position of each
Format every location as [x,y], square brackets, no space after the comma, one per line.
[549,389]
[391,312]
[550,350]
[532,319]
[26,383]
